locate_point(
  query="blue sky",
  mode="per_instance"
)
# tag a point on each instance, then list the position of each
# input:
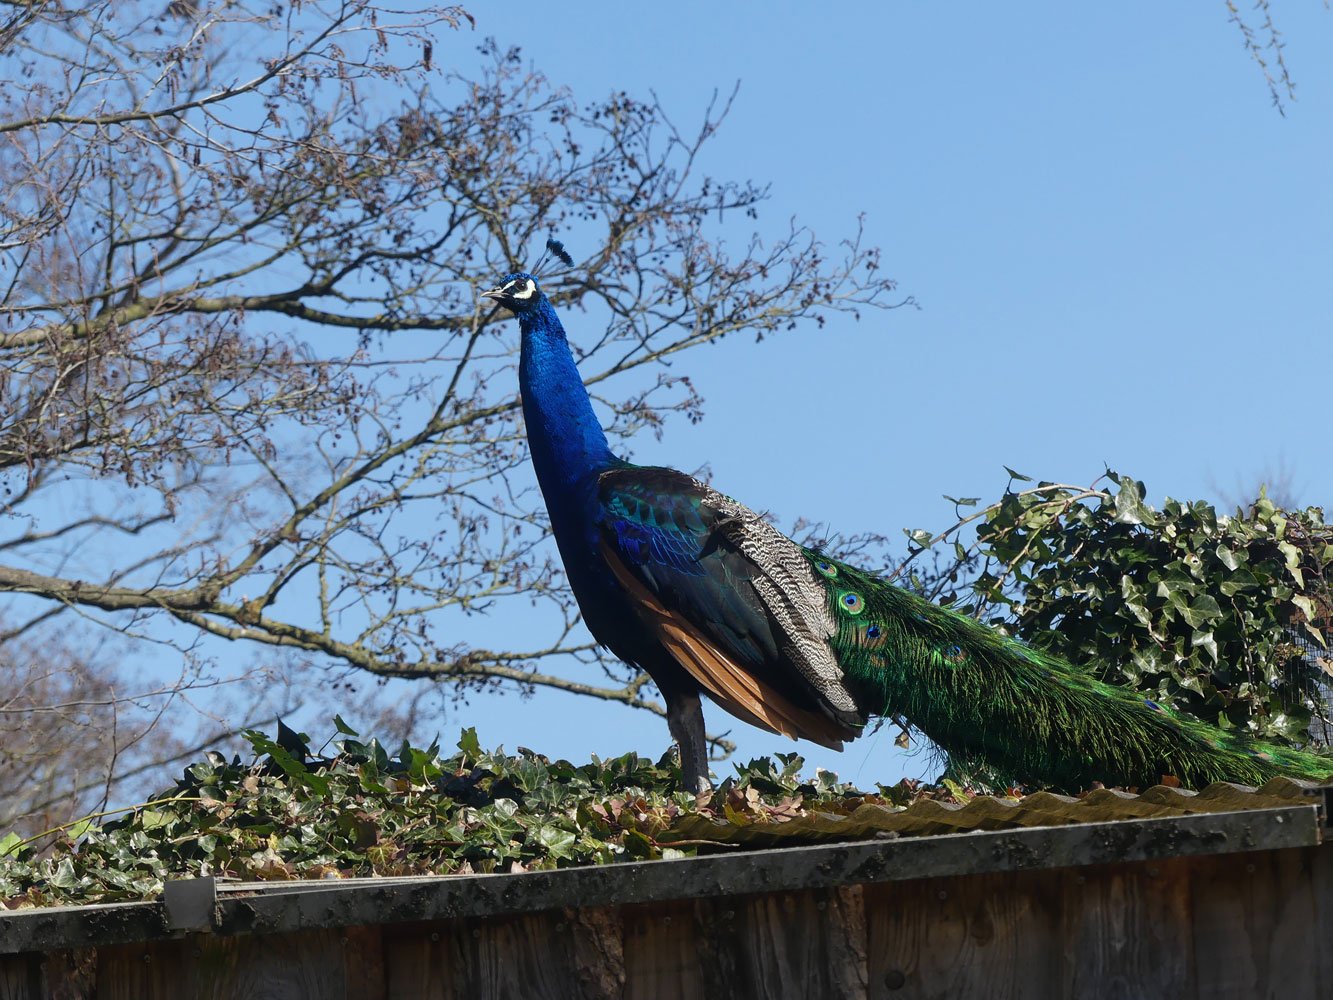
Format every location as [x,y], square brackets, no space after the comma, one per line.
[1121,251]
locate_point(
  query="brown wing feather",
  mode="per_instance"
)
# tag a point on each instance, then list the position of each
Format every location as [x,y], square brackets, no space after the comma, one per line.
[733,687]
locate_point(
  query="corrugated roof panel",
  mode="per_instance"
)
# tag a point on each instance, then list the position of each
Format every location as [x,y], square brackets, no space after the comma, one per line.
[927,817]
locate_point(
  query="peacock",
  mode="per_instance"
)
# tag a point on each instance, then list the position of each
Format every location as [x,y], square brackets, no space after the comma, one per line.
[708,597]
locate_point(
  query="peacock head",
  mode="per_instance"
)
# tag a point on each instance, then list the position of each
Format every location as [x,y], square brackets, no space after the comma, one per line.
[516,292]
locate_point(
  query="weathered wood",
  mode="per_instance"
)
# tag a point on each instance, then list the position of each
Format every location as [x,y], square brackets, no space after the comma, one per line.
[1321,891]
[1228,925]
[661,951]
[305,966]
[537,956]
[788,944]
[20,978]
[69,975]
[271,908]
[417,961]
[1126,931]
[1254,926]
[986,935]
[363,960]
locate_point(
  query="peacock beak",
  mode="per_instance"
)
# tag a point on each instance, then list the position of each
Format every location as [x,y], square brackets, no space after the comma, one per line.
[496,293]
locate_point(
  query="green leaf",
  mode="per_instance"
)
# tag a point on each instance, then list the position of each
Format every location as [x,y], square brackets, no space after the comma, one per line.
[1207,642]
[468,742]
[1200,610]
[1129,505]
[558,841]
[1139,612]
[151,819]
[1306,605]
[959,793]
[65,877]
[343,727]
[637,845]
[1016,475]
[9,843]
[1190,682]
[79,829]
[1240,580]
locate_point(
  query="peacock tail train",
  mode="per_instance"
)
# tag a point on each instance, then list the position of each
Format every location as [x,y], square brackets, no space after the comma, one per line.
[993,701]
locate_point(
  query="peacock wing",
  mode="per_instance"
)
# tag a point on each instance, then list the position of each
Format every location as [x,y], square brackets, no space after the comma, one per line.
[730,598]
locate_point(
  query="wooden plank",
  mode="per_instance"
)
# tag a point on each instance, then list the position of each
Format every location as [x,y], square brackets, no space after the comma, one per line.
[1254,926]
[558,954]
[70,974]
[20,977]
[1321,890]
[418,963]
[1127,932]
[785,944]
[363,963]
[994,936]
[661,951]
[599,950]
[307,965]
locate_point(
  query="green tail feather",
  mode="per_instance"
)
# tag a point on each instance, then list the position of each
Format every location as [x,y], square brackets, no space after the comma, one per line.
[995,702]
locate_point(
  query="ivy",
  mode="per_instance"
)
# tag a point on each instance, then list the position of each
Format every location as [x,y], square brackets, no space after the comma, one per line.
[292,814]
[1227,617]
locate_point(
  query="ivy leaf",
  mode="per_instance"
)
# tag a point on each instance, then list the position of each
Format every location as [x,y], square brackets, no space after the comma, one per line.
[1201,609]
[1206,641]
[1306,605]
[469,743]
[1190,682]
[1240,580]
[343,727]
[637,845]
[558,841]
[1017,475]
[78,830]
[65,877]
[1129,505]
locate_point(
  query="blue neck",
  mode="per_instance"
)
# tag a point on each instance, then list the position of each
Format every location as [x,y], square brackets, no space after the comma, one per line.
[569,448]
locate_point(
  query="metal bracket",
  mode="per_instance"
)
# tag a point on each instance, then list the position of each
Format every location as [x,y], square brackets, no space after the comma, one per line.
[191,904]
[1323,798]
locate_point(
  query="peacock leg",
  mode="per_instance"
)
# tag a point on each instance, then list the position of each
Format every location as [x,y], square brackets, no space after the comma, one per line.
[685,719]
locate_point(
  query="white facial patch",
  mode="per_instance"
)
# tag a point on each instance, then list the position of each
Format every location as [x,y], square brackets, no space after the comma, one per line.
[521,288]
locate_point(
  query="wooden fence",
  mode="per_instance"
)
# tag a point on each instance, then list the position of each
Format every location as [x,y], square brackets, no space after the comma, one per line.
[1236,904]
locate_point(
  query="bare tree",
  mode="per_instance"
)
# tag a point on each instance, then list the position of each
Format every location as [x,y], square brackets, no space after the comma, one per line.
[247,388]
[1265,48]
[1277,481]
